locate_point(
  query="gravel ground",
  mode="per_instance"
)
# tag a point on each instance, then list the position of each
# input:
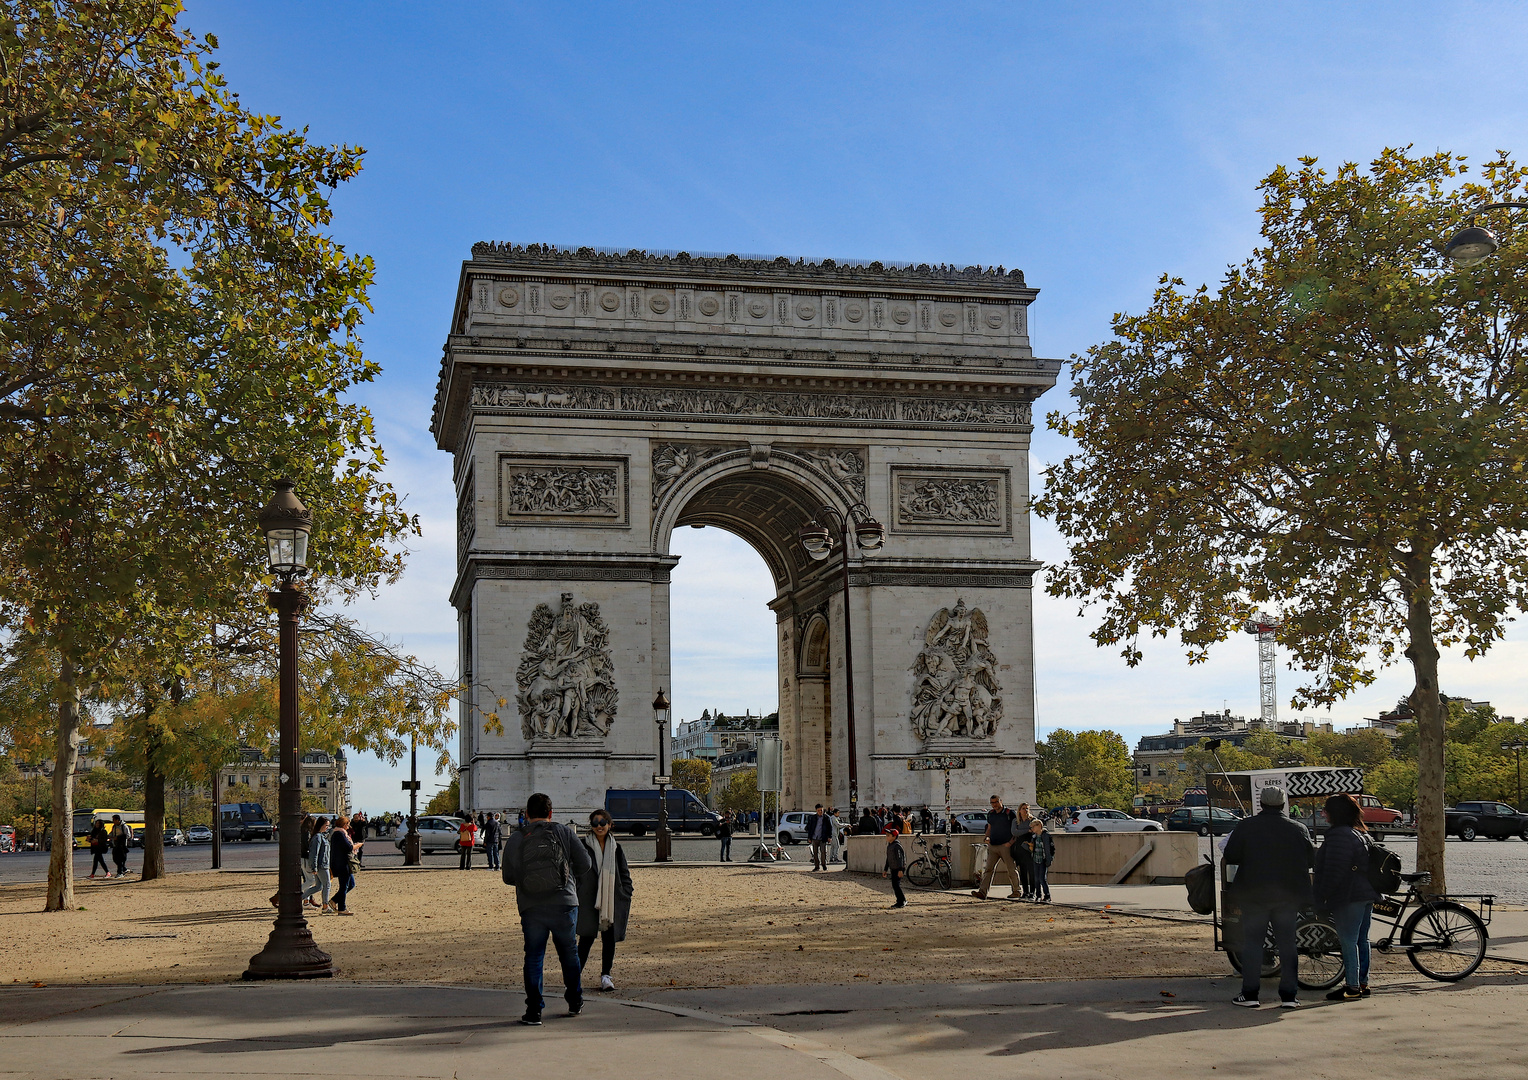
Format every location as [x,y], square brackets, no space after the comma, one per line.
[710,926]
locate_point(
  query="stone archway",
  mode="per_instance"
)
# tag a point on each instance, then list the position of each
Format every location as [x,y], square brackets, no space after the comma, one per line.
[595,402]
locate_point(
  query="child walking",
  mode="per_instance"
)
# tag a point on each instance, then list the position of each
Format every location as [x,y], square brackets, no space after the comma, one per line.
[896,863]
[1042,850]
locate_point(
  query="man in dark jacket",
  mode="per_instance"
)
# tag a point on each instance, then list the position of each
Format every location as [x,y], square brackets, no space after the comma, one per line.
[1272,857]
[493,837]
[819,832]
[536,859]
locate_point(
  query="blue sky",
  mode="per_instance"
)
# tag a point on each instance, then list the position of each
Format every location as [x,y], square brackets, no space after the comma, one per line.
[1095,146]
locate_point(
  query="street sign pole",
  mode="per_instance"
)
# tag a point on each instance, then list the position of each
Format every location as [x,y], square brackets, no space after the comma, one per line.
[944,763]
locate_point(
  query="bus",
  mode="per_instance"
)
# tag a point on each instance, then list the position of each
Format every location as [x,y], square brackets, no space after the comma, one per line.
[84,821]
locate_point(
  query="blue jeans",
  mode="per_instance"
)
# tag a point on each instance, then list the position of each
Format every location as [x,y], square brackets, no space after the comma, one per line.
[493,856]
[726,855]
[1256,917]
[1352,922]
[561,925]
[1039,885]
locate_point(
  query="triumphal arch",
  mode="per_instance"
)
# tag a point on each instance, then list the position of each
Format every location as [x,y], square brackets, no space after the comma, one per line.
[595,402]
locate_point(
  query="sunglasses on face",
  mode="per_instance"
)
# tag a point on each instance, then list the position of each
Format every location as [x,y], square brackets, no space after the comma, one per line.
[602,824]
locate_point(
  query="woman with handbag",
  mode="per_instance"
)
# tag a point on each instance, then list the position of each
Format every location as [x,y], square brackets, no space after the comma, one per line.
[1342,886]
[342,861]
[604,897]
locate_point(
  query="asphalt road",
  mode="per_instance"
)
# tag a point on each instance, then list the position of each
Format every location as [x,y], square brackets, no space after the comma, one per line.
[27,866]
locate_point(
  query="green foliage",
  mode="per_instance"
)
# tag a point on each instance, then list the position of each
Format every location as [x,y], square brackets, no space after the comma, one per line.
[741,792]
[1082,768]
[693,775]
[1337,431]
[445,801]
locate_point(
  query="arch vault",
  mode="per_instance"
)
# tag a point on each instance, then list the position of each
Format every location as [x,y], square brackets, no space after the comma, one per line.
[595,402]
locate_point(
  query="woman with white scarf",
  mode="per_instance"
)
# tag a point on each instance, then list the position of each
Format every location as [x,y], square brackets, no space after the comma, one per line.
[604,897]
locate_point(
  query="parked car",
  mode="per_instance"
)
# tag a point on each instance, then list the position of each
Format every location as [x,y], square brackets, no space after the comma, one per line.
[1377,813]
[174,837]
[436,834]
[1497,820]
[969,821]
[245,821]
[7,838]
[199,834]
[1201,819]
[1109,821]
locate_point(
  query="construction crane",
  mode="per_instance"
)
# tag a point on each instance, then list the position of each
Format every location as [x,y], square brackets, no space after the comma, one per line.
[1265,627]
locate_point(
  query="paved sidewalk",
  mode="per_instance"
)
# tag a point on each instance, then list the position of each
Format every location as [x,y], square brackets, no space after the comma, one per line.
[339,1029]
[1508,928]
[1160,1029]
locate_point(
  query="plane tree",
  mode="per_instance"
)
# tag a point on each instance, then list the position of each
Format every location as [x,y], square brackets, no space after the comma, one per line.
[1337,431]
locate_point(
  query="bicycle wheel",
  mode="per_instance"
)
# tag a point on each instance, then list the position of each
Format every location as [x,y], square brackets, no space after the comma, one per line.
[945,876]
[1444,940]
[1321,966]
[1271,966]
[921,872]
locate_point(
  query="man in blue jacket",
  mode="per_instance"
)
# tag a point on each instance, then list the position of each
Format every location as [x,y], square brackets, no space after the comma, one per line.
[544,861]
[819,831]
[1272,857]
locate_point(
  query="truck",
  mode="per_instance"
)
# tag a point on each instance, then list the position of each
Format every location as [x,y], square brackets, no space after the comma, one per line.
[636,812]
[244,821]
[1494,819]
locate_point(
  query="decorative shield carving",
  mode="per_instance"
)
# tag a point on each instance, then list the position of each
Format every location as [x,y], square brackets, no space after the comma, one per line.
[566,679]
[956,695]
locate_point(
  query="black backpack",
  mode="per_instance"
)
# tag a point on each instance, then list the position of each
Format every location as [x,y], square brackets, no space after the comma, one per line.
[543,862]
[1201,887]
[1384,870]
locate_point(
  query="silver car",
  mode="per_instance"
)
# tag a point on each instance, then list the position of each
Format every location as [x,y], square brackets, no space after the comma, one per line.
[1110,821]
[792,827]
[436,834]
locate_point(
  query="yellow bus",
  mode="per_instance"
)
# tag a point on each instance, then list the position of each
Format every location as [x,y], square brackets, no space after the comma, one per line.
[84,821]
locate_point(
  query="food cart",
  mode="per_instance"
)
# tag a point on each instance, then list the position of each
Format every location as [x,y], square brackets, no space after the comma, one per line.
[1306,788]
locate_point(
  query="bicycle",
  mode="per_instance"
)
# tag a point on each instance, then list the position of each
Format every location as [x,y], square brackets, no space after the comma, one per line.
[1443,938]
[931,866]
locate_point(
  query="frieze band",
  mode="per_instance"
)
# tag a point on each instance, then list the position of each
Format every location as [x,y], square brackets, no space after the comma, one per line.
[752,403]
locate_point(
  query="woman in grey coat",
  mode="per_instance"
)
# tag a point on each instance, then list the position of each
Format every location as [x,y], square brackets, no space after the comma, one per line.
[317,864]
[604,897]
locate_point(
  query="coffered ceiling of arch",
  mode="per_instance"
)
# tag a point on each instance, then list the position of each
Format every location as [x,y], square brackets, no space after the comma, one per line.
[764,508]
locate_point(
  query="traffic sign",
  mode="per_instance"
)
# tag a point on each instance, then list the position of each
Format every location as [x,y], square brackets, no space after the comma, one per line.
[921,764]
[665,780]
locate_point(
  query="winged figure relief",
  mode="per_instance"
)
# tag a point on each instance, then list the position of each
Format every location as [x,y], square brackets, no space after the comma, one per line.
[955,690]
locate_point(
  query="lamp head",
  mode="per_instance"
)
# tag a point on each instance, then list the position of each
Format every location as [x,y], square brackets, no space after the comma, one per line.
[286,523]
[1470,245]
[816,539]
[869,533]
[661,702]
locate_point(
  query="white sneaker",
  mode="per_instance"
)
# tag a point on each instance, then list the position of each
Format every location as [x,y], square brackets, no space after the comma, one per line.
[605,983]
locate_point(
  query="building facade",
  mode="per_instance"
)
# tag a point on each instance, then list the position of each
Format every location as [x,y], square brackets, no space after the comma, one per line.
[593,402]
[323,776]
[1161,758]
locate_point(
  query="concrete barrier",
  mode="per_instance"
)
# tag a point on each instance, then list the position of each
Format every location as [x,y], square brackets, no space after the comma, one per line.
[1081,858]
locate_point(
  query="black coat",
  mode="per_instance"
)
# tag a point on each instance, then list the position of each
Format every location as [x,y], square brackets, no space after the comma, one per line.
[1273,857]
[1342,868]
[588,893]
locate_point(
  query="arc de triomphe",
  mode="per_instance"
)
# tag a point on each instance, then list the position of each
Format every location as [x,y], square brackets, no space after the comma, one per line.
[595,402]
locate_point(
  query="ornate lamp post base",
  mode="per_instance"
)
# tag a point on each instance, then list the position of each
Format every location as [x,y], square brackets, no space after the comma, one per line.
[290,953]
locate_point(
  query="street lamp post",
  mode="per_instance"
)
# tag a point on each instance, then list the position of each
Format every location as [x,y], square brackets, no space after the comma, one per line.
[665,841]
[290,952]
[411,838]
[1473,244]
[869,534]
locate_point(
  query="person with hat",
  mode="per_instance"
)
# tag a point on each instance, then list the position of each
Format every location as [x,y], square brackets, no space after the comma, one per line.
[1268,862]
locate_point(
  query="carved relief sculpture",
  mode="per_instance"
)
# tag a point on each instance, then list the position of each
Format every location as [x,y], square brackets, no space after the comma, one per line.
[555,488]
[956,500]
[956,695]
[566,680]
[466,515]
[844,465]
[576,490]
[671,461]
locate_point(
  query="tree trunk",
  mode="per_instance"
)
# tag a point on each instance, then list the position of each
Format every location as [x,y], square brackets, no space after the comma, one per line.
[1428,707]
[66,756]
[153,813]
